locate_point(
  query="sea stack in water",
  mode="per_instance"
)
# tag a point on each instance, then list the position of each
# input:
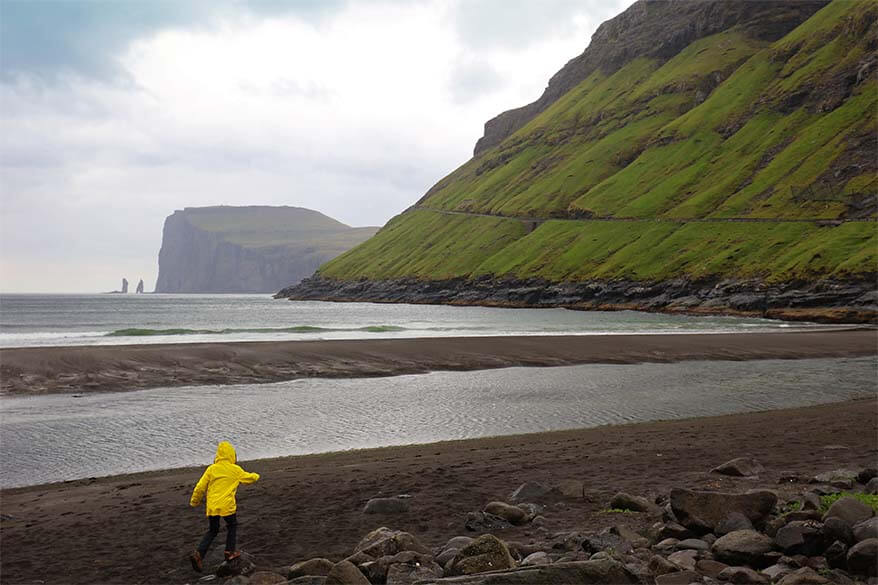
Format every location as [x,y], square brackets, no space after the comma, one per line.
[124,290]
[254,249]
[139,287]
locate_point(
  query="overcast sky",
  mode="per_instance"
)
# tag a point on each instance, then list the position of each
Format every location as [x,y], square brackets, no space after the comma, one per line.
[115,113]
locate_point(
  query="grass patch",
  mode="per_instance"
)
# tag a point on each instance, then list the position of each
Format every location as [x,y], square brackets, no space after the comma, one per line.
[827,501]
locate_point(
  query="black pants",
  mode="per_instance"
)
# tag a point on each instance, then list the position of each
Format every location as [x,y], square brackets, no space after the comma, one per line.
[213,530]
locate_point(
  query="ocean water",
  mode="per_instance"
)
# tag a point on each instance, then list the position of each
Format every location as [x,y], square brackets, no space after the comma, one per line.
[61,437]
[61,320]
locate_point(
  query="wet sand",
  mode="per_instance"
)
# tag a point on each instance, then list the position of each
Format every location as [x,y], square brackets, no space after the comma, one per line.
[137,528]
[116,368]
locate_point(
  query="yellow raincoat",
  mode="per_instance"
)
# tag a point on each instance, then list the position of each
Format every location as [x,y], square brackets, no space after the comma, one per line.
[220,481]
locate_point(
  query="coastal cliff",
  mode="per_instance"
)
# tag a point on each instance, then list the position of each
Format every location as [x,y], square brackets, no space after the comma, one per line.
[253,249]
[706,157]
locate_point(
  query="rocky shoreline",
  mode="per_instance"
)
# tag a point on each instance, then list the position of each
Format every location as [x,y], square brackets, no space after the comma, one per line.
[817,530]
[826,301]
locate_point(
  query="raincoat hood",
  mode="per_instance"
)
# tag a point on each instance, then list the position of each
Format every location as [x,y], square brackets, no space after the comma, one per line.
[225,452]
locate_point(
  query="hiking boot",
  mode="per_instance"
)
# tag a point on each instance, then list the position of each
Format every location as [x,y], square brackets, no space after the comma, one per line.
[231,555]
[195,559]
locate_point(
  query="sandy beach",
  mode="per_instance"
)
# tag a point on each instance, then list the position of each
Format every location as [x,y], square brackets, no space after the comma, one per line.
[114,368]
[137,528]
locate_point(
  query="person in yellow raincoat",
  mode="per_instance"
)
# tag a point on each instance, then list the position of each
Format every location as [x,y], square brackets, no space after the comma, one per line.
[220,482]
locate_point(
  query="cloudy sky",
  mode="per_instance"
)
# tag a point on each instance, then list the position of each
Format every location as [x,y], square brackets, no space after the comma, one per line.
[114,113]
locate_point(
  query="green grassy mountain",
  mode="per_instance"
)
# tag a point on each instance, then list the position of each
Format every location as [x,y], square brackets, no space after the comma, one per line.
[738,147]
[248,249]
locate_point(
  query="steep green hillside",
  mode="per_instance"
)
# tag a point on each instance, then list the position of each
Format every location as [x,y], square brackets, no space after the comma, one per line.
[737,157]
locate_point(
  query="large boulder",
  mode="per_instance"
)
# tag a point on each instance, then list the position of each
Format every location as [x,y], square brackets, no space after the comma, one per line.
[242,565]
[849,509]
[804,576]
[742,547]
[678,578]
[837,529]
[872,486]
[703,511]
[866,529]
[484,522]
[486,553]
[346,573]
[744,575]
[407,567]
[623,501]
[836,475]
[733,521]
[317,566]
[384,541]
[387,505]
[512,514]
[863,557]
[581,572]
[740,467]
[800,538]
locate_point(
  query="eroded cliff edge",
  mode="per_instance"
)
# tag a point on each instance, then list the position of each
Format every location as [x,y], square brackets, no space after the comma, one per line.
[253,249]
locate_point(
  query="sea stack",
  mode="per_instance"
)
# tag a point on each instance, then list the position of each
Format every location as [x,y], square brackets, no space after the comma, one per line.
[139,289]
[124,286]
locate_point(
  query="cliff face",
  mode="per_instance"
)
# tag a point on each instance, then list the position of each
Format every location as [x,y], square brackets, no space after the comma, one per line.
[247,249]
[654,29]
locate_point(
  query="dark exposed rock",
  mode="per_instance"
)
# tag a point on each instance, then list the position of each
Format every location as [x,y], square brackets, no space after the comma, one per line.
[408,567]
[623,501]
[484,522]
[872,486]
[744,575]
[740,467]
[733,521]
[835,475]
[306,580]
[317,566]
[537,558]
[709,296]
[530,492]
[742,547]
[810,501]
[684,559]
[486,553]
[661,531]
[710,567]
[582,572]
[866,529]
[866,474]
[512,514]
[800,537]
[849,509]
[698,510]
[836,555]
[837,529]
[694,544]
[386,542]
[678,578]
[266,578]
[804,576]
[346,573]
[659,565]
[242,565]
[863,557]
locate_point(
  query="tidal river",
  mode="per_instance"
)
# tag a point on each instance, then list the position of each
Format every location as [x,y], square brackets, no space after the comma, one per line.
[61,437]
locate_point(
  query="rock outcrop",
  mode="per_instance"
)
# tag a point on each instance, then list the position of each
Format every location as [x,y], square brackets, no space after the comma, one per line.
[254,249]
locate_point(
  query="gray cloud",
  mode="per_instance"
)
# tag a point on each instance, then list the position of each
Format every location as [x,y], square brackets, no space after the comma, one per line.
[473,79]
[50,38]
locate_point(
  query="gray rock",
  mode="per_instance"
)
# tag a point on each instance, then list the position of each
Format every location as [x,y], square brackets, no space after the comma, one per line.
[710,567]
[317,566]
[733,521]
[570,488]
[835,474]
[408,567]
[777,571]
[266,578]
[849,509]
[693,543]
[800,538]
[678,578]
[837,529]
[660,531]
[837,555]
[582,572]
[863,557]
[605,539]
[623,501]
[345,573]
[445,555]
[628,535]
[484,522]
[659,565]
[866,475]
[742,547]
[512,514]
[810,501]
[742,575]
[486,553]
[458,542]
[872,487]
[386,542]
[698,509]
[740,467]
[387,506]
[530,492]
[306,580]
[803,576]
[684,559]
[243,565]
[535,559]
[866,529]
[667,545]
